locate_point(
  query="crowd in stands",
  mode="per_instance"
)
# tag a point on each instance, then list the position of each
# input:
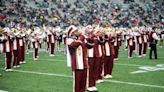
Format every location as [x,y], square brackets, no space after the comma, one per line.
[81,13]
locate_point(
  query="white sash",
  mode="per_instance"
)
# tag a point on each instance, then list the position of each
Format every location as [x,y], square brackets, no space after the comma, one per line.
[52,38]
[15,44]
[47,39]
[7,46]
[90,52]
[68,57]
[36,44]
[140,40]
[107,48]
[130,42]
[145,39]
[20,42]
[79,58]
[100,50]
[115,43]
[1,47]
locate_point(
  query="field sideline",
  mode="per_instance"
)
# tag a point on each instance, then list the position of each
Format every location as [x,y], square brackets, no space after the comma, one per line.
[50,74]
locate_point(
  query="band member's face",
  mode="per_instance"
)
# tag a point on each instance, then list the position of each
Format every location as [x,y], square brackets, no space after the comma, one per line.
[75,33]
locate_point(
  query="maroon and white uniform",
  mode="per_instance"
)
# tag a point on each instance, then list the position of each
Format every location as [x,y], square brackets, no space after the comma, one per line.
[52,41]
[131,45]
[117,44]
[92,65]
[8,49]
[15,51]
[79,64]
[145,42]
[35,42]
[139,44]
[99,55]
[1,43]
[109,56]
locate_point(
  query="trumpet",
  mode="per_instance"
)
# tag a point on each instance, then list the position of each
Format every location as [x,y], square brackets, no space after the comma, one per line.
[3,33]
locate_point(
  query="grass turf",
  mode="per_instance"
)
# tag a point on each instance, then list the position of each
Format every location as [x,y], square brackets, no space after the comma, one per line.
[29,82]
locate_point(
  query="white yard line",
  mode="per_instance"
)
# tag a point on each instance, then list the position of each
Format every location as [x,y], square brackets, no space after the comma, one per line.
[132,65]
[135,84]
[129,64]
[3,91]
[112,81]
[40,73]
[65,60]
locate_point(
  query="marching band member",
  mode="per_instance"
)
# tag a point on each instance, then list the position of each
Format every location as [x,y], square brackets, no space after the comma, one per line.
[153,43]
[139,43]
[109,54]
[1,40]
[52,40]
[145,41]
[41,31]
[117,44]
[131,44]
[161,35]
[48,33]
[35,40]
[77,49]
[64,41]
[100,54]
[8,50]
[59,37]
[35,45]
[15,47]
[91,61]
[28,41]
[162,38]
[21,47]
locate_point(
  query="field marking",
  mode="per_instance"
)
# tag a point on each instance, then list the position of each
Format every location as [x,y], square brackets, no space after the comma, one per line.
[136,84]
[113,81]
[40,73]
[135,65]
[128,64]
[65,60]
[3,91]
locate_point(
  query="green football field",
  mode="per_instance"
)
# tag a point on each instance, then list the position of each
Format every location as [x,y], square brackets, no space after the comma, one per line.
[50,74]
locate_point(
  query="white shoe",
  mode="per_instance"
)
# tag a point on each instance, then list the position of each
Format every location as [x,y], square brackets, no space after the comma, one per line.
[90,89]
[7,70]
[14,66]
[10,70]
[144,55]
[108,76]
[24,62]
[99,81]
[51,55]
[140,56]
[18,66]
[94,89]
[129,57]
[115,59]
[21,62]
[35,59]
